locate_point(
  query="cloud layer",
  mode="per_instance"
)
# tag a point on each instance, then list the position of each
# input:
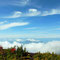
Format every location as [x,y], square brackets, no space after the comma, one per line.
[53,46]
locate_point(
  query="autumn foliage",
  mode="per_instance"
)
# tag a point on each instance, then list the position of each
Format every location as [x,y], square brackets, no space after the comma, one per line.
[22,54]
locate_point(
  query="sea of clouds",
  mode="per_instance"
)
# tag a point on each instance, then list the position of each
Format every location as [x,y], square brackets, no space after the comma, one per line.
[34,45]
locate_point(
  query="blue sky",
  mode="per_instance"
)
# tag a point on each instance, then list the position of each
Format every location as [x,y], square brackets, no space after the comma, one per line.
[29,19]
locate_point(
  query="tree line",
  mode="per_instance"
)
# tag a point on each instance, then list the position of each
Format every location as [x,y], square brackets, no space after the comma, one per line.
[22,54]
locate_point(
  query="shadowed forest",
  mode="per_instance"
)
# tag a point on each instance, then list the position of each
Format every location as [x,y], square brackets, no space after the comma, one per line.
[22,54]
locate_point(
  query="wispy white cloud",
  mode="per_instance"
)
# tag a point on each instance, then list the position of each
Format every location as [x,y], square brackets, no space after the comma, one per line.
[32,40]
[30,12]
[20,2]
[29,35]
[6,26]
[57,29]
[32,28]
[16,14]
[51,12]
[3,22]
[34,12]
[14,2]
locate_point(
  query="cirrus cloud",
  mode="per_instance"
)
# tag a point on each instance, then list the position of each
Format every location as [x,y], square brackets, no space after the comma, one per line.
[16,14]
[3,22]
[30,12]
[14,2]
[51,12]
[34,12]
[14,24]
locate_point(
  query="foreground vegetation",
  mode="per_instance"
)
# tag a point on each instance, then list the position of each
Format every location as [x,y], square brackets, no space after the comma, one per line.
[22,54]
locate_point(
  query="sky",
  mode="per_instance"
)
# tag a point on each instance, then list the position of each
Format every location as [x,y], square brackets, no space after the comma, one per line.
[30,19]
